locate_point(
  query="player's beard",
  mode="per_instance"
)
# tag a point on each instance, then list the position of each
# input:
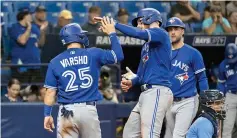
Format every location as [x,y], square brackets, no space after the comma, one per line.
[177,40]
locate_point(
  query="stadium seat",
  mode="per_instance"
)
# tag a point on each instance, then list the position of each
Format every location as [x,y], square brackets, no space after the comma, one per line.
[52,17]
[80,18]
[20,4]
[197,27]
[132,6]
[30,4]
[12,18]
[6,7]
[164,17]
[53,6]
[160,6]
[108,8]
[4,21]
[77,6]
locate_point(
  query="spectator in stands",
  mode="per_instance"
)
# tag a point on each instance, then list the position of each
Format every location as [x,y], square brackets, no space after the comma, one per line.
[231,7]
[25,38]
[105,86]
[221,4]
[185,12]
[233,21]
[216,24]
[41,22]
[65,17]
[13,90]
[123,16]
[92,25]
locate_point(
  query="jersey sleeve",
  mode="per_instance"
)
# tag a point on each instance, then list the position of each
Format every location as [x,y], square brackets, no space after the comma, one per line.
[50,80]
[156,35]
[112,56]
[149,35]
[197,62]
[221,79]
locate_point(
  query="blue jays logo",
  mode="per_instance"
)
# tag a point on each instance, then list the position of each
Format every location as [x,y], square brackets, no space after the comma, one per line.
[171,21]
[145,58]
[182,77]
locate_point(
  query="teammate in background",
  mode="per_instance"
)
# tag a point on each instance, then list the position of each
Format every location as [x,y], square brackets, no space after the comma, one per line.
[153,75]
[187,69]
[227,84]
[74,74]
[208,124]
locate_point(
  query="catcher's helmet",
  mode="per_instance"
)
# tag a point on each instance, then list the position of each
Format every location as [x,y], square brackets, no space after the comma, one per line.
[72,33]
[148,15]
[174,22]
[213,97]
[231,53]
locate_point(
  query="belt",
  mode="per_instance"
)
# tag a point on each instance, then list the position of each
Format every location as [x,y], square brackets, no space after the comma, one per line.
[178,99]
[86,103]
[145,87]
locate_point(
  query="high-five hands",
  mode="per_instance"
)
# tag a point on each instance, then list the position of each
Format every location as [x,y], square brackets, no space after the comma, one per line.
[107,24]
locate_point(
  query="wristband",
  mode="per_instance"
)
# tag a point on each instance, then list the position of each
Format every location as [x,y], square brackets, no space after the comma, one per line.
[47,110]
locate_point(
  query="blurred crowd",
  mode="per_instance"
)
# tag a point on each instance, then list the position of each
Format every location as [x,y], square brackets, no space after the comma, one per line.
[27,38]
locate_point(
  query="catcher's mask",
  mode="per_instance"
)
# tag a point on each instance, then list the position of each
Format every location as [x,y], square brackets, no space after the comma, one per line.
[213,100]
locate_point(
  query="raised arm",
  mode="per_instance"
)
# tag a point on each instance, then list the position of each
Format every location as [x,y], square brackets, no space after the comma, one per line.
[150,35]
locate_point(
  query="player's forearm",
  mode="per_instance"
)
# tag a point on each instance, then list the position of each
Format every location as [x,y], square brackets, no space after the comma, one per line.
[116,47]
[202,81]
[49,97]
[132,31]
[135,80]
[24,37]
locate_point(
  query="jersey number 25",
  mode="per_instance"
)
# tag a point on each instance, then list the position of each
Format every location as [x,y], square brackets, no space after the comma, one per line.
[82,76]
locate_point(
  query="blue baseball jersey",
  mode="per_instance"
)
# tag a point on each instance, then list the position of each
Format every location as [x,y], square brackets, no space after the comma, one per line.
[187,62]
[155,64]
[28,53]
[227,79]
[75,72]
[154,67]
[201,128]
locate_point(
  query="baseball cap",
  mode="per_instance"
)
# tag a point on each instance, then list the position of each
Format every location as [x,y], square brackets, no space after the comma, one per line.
[40,8]
[122,12]
[66,14]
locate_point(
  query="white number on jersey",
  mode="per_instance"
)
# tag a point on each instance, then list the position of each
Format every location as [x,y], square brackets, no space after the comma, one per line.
[82,76]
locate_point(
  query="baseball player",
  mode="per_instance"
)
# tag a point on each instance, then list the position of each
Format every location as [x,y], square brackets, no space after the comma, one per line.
[187,69]
[207,124]
[153,75]
[227,83]
[73,76]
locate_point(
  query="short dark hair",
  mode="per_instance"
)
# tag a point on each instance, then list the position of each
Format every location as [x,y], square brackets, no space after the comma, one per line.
[215,9]
[95,9]
[21,15]
[122,12]
[13,81]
